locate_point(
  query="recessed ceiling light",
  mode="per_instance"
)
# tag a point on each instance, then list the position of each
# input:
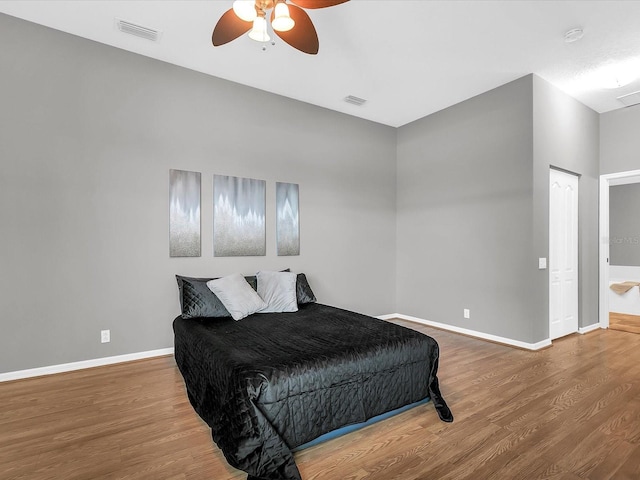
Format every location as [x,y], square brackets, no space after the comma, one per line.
[573,35]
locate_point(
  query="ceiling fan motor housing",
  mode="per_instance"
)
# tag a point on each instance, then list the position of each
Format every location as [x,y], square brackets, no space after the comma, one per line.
[265,4]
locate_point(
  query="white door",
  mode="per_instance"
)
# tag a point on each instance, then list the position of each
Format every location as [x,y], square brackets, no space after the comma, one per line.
[563,254]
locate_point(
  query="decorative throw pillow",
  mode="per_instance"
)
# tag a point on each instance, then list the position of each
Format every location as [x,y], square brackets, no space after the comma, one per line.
[304,293]
[197,300]
[278,290]
[253,281]
[236,295]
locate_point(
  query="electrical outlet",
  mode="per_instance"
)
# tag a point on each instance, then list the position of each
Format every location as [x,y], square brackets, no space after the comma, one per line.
[466,313]
[105,336]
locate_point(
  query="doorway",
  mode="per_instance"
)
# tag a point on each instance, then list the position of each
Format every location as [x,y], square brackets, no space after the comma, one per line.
[606,181]
[563,253]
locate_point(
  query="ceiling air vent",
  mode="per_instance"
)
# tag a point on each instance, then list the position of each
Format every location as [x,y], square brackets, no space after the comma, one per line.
[355,100]
[138,30]
[630,98]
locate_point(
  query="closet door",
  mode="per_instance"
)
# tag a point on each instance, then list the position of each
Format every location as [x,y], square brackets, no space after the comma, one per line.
[563,254]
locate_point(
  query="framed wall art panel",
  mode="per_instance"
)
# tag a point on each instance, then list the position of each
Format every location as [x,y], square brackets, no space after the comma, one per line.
[287,219]
[238,216]
[184,213]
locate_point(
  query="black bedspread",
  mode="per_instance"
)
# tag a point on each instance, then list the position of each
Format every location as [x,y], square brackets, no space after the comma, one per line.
[272,382]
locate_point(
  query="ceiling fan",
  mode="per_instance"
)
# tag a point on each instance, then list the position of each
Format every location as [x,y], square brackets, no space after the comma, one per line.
[290,22]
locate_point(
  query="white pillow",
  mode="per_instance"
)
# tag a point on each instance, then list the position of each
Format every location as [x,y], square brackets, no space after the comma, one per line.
[236,295]
[278,290]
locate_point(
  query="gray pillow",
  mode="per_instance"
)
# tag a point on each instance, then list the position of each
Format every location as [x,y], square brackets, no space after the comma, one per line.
[304,293]
[197,300]
[278,290]
[236,295]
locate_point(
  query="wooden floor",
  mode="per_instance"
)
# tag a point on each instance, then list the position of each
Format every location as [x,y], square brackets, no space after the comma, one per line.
[568,412]
[624,322]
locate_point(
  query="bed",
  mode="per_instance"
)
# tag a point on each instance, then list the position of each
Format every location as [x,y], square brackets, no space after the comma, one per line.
[273,382]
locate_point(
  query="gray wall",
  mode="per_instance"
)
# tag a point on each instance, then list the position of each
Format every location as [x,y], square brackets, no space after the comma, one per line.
[465,236]
[620,142]
[619,152]
[566,136]
[88,134]
[473,208]
[445,213]
[624,225]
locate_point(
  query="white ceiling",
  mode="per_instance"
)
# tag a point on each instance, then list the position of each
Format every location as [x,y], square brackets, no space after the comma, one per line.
[407,58]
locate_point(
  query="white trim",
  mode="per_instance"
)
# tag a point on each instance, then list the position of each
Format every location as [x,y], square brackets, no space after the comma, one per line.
[471,333]
[589,328]
[606,181]
[603,254]
[69,367]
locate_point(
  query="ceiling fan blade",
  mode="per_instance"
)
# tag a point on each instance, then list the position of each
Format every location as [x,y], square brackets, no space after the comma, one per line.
[303,35]
[317,3]
[228,28]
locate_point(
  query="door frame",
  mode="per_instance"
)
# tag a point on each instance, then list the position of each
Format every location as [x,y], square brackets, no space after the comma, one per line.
[606,181]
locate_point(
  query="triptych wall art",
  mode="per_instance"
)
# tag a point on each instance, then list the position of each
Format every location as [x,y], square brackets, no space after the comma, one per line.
[239,216]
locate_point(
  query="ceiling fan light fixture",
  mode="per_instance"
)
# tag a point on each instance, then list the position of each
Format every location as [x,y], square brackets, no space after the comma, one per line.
[292,25]
[259,30]
[245,10]
[282,21]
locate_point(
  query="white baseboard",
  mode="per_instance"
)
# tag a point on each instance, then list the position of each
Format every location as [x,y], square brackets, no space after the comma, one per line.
[98,362]
[69,367]
[589,328]
[472,333]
